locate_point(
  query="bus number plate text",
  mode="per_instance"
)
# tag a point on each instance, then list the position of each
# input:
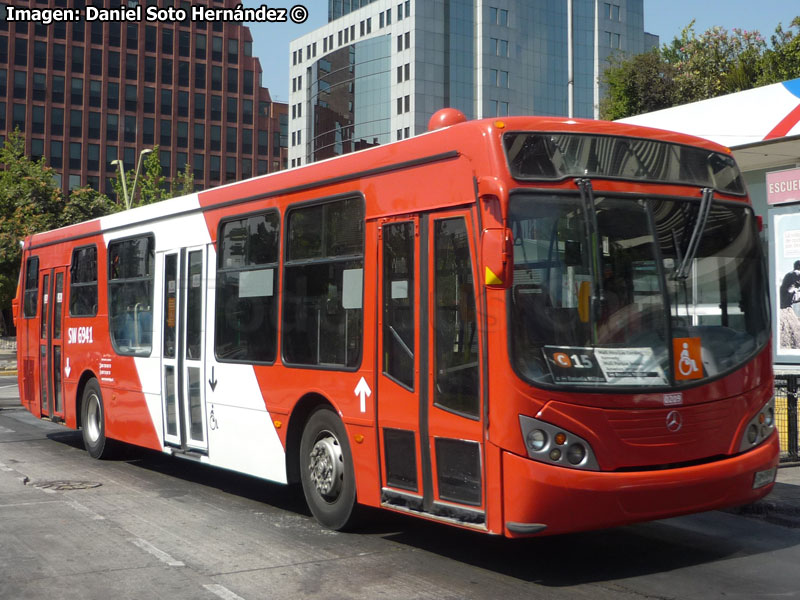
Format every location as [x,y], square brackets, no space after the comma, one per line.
[79,335]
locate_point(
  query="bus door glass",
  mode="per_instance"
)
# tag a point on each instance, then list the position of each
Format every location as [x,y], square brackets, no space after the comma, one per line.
[44,342]
[182,370]
[398,343]
[56,343]
[455,421]
[429,399]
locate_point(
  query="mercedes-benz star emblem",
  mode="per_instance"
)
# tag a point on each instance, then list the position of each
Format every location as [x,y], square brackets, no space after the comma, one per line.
[674,421]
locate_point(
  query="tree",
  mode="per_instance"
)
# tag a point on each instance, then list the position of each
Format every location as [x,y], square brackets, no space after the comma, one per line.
[84,204]
[637,85]
[152,183]
[697,67]
[183,183]
[30,201]
[781,62]
[714,63]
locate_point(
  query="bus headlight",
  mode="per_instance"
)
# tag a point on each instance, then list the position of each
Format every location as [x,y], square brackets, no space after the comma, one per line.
[536,440]
[555,445]
[760,426]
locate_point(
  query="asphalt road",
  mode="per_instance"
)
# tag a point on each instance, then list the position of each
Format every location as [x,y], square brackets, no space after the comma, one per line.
[148,526]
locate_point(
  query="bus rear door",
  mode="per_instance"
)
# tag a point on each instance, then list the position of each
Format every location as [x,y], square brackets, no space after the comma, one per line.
[429,401]
[182,364]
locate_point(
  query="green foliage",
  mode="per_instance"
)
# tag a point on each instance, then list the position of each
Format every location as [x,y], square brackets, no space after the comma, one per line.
[781,62]
[643,83]
[152,183]
[30,201]
[183,183]
[696,67]
[84,204]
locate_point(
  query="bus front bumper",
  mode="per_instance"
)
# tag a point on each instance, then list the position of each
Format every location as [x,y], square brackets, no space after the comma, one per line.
[541,499]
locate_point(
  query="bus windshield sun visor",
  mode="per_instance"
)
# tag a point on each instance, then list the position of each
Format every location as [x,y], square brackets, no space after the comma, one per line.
[536,156]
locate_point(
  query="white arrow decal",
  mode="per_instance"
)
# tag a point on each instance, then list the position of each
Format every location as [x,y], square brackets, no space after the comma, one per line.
[67,368]
[362,390]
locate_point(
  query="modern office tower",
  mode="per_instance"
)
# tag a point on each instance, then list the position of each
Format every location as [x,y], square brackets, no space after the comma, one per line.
[86,93]
[379,69]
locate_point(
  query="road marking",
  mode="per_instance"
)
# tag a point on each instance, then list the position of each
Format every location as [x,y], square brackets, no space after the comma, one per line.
[3,467]
[222,592]
[6,430]
[3,387]
[159,554]
[86,510]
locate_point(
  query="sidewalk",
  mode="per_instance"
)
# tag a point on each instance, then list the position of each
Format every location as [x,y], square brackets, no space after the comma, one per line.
[8,358]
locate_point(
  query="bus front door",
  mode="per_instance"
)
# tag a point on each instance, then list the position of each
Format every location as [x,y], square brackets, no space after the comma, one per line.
[429,401]
[50,343]
[182,366]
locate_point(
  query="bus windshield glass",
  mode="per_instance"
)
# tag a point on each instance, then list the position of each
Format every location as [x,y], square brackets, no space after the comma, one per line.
[607,293]
[552,156]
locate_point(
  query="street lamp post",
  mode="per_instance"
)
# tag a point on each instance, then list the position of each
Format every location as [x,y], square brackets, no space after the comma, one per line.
[121,168]
[118,162]
[138,167]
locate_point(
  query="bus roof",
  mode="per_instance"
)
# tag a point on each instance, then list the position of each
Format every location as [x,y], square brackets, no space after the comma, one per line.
[466,138]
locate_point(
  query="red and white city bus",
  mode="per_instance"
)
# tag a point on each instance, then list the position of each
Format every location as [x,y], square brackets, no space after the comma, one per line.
[524,326]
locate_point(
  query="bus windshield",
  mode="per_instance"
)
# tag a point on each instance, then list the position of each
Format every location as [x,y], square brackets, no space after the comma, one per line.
[608,292]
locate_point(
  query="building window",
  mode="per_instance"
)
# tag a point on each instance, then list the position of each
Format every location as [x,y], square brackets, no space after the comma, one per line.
[131,99]
[75,156]
[166,102]
[77,59]
[165,137]
[93,157]
[183,104]
[199,136]
[200,106]
[230,139]
[182,134]
[166,71]
[112,128]
[76,94]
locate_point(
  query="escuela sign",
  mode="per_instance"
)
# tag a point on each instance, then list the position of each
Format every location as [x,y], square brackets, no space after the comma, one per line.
[783,186]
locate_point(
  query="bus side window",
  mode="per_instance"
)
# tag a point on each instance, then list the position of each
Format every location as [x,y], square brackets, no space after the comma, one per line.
[130,294]
[323,284]
[31,287]
[247,285]
[83,282]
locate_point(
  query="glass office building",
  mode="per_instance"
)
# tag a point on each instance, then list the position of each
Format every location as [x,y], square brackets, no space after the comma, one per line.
[379,69]
[85,94]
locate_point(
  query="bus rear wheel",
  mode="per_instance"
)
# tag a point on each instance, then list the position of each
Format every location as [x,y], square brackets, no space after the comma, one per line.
[93,421]
[326,470]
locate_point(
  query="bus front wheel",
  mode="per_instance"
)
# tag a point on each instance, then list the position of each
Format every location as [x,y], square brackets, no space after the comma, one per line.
[326,470]
[93,421]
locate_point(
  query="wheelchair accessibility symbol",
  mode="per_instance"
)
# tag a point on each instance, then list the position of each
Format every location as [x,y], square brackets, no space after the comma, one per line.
[688,358]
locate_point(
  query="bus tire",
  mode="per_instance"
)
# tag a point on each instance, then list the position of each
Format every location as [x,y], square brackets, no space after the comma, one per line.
[326,470]
[93,421]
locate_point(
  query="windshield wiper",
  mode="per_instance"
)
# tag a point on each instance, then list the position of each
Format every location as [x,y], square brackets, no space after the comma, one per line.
[682,272]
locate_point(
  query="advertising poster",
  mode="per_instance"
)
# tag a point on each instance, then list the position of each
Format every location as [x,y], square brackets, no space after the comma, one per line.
[785,283]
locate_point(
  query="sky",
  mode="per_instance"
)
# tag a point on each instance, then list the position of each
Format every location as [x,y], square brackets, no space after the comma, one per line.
[664,18]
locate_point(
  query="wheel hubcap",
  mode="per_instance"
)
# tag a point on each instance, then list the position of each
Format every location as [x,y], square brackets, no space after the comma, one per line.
[326,466]
[93,418]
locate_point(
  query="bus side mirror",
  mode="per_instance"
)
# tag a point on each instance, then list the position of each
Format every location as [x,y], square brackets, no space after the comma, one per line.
[497,257]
